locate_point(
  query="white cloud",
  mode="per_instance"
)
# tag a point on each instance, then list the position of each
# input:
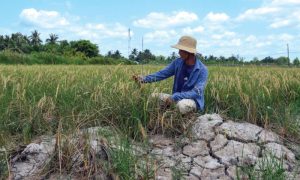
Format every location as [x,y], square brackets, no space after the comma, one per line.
[217,17]
[251,38]
[160,36]
[160,20]
[226,34]
[43,19]
[285,37]
[217,36]
[287,16]
[277,13]
[101,31]
[263,44]
[280,23]
[87,34]
[112,30]
[189,30]
[257,13]
[285,2]
[235,42]
[55,21]
[295,15]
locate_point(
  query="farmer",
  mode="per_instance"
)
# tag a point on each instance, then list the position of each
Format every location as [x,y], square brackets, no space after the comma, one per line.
[190,78]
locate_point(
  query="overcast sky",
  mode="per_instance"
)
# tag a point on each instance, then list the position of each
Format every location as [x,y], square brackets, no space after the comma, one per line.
[249,28]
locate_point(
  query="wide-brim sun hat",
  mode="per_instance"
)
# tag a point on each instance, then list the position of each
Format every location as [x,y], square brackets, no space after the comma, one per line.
[187,43]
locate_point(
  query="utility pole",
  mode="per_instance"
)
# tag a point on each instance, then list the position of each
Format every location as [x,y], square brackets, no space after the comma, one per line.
[142,43]
[288,53]
[129,39]
[142,54]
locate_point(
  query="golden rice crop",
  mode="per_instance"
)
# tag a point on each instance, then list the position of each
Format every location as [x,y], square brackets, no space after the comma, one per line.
[34,99]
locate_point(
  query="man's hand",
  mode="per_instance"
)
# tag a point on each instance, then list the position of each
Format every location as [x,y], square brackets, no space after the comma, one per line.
[169,101]
[137,78]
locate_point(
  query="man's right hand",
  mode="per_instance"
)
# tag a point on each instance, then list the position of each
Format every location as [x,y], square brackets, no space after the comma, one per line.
[137,78]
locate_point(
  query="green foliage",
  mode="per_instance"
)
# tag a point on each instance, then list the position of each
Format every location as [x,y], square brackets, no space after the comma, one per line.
[3,164]
[35,40]
[177,173]
[142,57]
[282,61]
[52,39]
[114,55]
[86,47]
[296,62]
[22,44]
[267,168]
[10,57]
[126,163]
[123,160]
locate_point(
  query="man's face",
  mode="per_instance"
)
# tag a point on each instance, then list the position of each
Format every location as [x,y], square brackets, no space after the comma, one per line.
[183,54]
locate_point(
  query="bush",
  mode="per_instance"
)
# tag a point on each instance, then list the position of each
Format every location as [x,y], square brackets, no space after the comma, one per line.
[10,57]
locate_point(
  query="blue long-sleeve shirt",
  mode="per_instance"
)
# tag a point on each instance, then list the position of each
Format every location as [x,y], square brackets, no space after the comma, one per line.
[193,88]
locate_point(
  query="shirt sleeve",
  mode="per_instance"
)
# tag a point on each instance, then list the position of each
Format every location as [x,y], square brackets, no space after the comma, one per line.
[160,75]
[196,91]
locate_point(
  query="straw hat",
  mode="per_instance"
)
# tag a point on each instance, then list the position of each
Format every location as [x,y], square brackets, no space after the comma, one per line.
[186,43]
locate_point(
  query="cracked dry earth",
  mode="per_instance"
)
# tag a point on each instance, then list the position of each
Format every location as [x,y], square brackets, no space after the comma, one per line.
[214,151]
[218,148]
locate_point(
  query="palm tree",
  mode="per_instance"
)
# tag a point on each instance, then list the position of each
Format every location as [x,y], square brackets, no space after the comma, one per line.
[109,54]
[2,43]
[133,54]
[116,54]
[18,42]
[52,39]
[35,39]
[64,43]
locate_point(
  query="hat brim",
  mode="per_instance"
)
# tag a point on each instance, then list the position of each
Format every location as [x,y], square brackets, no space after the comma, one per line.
[180,47]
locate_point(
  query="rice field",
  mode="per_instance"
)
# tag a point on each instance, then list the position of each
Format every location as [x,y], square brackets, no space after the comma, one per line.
[33,99]
[36,100]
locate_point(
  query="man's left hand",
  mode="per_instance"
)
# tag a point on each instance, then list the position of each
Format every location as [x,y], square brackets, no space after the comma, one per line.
[137,78]
[169,101]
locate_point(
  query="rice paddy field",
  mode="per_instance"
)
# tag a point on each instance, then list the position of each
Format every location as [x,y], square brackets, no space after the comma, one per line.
[37,100]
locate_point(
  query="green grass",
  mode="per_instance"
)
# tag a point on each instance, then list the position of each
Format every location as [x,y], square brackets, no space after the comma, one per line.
[268,168]
[126,164]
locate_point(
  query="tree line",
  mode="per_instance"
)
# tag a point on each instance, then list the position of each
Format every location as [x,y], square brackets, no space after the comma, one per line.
[56,51]
[20,43]
[237,60]
[21,49]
